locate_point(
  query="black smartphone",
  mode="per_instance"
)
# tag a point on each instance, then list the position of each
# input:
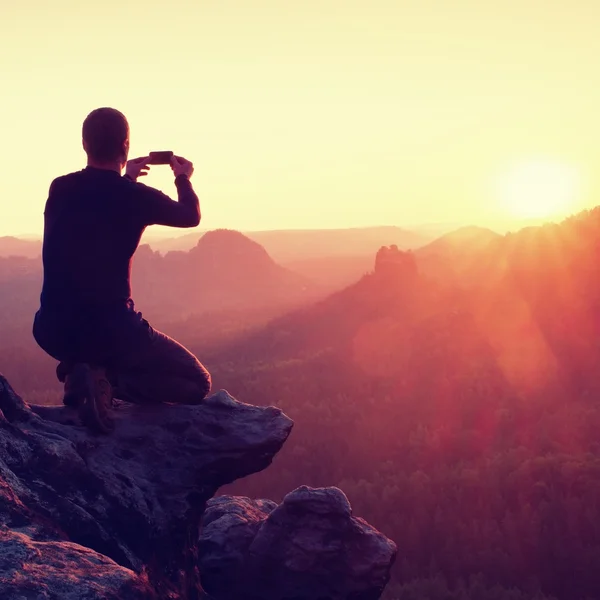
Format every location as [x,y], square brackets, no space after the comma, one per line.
[161,157]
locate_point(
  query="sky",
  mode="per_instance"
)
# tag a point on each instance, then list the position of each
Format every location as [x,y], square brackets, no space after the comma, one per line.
[313,114]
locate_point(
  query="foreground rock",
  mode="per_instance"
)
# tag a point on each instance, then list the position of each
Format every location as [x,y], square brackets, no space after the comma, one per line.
[34,569]
[118,517]
[308,548]
[119,505]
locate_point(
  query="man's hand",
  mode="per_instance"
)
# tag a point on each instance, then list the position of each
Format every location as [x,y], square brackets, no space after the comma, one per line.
[181,166]
[137,167]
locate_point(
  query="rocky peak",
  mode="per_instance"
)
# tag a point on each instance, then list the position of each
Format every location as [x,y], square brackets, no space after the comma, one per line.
[231,245]
[393,264]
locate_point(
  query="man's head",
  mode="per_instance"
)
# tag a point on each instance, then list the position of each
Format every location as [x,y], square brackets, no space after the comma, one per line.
[106,138]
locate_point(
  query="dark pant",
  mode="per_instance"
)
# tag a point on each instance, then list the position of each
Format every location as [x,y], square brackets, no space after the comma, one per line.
[143,364]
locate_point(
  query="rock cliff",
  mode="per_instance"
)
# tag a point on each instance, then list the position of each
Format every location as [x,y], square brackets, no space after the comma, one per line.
[125,515]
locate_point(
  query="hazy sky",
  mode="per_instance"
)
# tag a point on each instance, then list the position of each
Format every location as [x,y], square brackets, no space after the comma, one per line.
[312,113]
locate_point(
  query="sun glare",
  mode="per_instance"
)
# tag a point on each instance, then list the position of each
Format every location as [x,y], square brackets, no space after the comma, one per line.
[539,189]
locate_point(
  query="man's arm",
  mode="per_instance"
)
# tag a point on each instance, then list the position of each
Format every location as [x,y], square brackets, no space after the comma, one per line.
[55,193]
[158,209]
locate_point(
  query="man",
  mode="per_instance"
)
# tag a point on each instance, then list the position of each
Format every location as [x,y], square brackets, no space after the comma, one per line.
[93,222]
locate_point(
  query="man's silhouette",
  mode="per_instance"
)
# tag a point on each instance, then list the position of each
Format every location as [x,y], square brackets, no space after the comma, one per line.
[93,222]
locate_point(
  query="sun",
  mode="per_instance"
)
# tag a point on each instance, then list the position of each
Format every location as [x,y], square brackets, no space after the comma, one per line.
[540,189]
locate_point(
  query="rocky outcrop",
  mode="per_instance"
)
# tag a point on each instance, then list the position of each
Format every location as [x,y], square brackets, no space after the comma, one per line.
[310,547]
[130,502]
[395,265]
[125,516]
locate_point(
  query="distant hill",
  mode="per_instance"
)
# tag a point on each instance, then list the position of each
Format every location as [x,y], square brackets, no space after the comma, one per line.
[464,239]
[14,246]
[225,270]
[456,253]
[303,244]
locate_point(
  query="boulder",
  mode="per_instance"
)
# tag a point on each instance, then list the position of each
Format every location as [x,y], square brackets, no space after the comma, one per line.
[310,547]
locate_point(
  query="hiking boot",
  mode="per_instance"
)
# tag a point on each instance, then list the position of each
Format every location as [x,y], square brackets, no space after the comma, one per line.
[96,410]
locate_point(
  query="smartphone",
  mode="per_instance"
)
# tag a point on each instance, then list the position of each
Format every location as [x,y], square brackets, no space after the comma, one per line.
[162,157]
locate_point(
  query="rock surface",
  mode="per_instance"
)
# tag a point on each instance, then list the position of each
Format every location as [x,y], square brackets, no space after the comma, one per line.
[308,548]
[34,569]
[119,505]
